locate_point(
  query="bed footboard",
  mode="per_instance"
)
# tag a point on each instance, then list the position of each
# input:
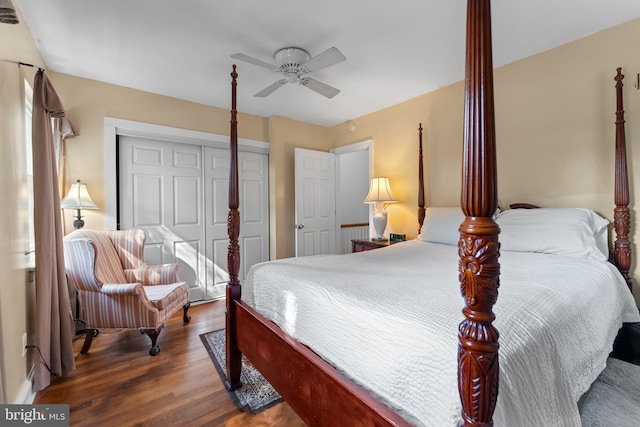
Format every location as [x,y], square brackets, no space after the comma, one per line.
[313,388]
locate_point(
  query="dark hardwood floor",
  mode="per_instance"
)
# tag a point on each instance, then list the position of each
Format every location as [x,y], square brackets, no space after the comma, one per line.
[118,384]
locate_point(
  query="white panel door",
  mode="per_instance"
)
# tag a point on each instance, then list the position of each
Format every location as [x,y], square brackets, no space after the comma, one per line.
[178,194]
[315,203]
[161,192]
[254,209]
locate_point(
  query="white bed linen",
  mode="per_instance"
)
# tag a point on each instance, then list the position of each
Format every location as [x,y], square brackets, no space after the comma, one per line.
[388,319]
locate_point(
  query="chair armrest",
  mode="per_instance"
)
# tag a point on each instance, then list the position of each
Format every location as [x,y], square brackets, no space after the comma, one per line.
[153,274]
[122,289]
[132,291]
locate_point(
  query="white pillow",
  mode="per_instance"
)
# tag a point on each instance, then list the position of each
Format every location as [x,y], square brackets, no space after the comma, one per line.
[441,225]
[574,232]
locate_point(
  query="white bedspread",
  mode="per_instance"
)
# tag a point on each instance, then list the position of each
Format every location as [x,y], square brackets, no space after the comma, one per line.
[388,319]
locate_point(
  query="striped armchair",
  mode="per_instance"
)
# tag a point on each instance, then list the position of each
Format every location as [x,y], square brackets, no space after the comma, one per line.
[115,287]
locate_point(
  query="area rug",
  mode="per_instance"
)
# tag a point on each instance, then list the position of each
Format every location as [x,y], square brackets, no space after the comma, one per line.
[614,398]
[256,394]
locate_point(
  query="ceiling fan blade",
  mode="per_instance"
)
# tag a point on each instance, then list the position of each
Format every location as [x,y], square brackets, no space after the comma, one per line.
[254,61]
[328,57]
[321,88]
[271,88]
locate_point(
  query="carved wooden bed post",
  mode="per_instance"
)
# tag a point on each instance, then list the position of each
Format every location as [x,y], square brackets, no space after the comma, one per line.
[233,290]
[478,247]
[421,210]
[622,215]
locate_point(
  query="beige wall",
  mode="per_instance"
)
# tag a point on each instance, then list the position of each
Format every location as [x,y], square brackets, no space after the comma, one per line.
[395,151]
[286,134]
[16,45]
[555,133]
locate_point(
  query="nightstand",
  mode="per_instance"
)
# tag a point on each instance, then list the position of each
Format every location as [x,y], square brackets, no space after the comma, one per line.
[361,245]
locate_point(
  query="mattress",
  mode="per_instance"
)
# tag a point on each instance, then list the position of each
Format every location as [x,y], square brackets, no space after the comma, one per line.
[388,320]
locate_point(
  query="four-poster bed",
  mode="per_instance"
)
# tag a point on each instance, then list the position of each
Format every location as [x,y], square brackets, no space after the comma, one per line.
[324,395]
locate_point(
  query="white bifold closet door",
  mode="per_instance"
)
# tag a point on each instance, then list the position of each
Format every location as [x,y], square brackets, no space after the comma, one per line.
[178,194]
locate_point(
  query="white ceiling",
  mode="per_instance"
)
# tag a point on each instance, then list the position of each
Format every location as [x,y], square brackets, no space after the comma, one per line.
[395,50]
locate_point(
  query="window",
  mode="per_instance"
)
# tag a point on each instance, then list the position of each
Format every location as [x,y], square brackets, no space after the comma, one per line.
[28,108]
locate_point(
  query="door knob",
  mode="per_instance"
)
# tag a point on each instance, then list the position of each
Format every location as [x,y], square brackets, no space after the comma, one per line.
[299,226]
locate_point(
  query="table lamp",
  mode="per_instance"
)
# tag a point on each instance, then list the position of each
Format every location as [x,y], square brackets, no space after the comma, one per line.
[78,198]
[379,195]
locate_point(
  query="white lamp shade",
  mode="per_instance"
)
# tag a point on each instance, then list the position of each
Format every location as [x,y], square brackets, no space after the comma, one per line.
[380,191]
[78,198]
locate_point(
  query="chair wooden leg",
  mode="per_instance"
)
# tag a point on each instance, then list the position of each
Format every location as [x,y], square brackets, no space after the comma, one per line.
[185,316]
[88,339]
[153,333]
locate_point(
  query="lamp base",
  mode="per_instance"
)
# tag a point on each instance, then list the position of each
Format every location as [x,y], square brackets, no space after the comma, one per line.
[78,223]
[379,220]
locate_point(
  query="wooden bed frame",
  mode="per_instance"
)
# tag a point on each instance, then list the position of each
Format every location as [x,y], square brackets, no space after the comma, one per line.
[319,393]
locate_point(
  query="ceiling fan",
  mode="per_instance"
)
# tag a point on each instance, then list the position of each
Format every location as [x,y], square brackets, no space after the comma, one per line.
[296,63]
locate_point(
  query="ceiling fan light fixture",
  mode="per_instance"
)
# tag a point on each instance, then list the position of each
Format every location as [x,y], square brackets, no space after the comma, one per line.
[291,56]
[295,64]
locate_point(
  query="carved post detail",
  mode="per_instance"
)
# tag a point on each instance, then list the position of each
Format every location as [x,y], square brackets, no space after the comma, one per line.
[421,209]
[233,289]
[479,269]
[621,213]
